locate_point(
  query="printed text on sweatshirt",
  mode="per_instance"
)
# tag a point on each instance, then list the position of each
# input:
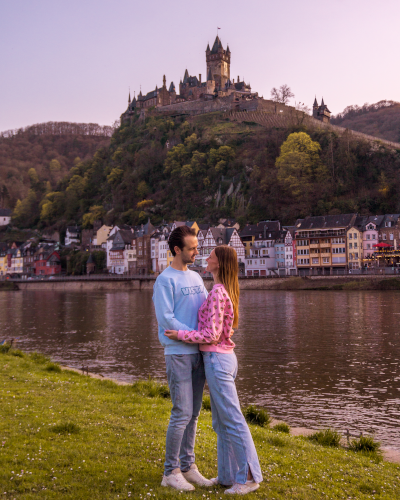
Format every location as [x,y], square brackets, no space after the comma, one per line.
[215,323]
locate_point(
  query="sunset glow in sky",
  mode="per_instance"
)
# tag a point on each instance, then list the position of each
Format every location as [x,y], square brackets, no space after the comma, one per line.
[75,60]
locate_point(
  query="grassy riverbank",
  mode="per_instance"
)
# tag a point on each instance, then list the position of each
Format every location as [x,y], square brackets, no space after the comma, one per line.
[65,435]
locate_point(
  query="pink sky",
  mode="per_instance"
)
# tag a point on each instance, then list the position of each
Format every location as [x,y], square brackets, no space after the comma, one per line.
[75,60]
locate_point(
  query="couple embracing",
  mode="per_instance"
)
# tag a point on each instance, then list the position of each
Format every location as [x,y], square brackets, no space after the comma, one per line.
[195,329]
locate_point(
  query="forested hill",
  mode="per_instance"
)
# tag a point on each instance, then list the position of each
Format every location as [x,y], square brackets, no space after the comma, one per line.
[206,167]
[48,148]
[381,119]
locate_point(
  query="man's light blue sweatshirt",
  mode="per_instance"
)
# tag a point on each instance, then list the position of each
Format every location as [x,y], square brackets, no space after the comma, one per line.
[177,297]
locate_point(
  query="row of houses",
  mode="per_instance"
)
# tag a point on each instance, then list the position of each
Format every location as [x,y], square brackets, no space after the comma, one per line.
[314,245]
[323,244]
[144,249]
[30,259]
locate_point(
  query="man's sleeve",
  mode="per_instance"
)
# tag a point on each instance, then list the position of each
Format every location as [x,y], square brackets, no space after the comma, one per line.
[164,304]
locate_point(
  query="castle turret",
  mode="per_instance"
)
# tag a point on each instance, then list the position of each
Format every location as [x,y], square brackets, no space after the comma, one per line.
[219,63]
[321,112]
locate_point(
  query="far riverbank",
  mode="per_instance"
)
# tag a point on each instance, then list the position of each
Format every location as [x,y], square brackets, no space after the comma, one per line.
[354,282]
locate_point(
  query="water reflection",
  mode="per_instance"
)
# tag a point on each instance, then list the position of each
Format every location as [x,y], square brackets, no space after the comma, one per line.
[316,359]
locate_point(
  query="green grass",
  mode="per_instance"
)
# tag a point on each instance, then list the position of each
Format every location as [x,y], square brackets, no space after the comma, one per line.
[68,436]
[257,416]
[282,427]
[327,437]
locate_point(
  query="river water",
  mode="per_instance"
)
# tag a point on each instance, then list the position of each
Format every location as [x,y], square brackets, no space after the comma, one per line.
[314,359]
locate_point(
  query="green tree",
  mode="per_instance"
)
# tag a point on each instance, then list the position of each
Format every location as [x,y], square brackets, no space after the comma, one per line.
[115,175]
[33,177]
[300,169]
[142,190]
[55,165]
[76,185]
[96,212]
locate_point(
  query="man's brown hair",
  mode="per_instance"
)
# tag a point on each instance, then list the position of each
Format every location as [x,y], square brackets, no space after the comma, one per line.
[177,237]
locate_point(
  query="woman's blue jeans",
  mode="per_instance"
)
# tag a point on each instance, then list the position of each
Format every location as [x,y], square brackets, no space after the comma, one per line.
[236,451]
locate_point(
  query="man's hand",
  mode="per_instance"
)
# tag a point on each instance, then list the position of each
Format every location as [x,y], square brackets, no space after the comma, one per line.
[171,334]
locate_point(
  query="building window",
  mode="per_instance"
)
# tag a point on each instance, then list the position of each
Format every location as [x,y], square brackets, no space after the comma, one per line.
[350,236]
[315,261]
[350,245]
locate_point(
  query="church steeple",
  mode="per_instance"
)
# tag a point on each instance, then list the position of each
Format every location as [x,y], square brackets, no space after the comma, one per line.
[129,97]
[315,105]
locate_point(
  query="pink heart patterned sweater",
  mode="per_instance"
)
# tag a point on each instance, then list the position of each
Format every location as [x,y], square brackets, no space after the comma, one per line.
[215,323]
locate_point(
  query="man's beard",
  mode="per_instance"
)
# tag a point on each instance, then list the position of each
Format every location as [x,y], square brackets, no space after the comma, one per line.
[187,260]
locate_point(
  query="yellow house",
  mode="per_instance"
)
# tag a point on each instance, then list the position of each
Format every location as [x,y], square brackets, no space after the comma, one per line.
[102,234]
[3,264]
[354,248]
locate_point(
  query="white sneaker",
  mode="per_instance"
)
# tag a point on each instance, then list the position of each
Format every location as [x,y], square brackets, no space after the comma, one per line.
[193,476]
[242,489]
[177,481]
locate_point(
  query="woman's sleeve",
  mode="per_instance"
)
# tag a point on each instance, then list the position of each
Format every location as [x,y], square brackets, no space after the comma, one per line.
[212,317]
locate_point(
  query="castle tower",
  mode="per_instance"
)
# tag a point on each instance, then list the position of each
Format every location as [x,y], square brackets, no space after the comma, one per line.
[218,63]
[322,112]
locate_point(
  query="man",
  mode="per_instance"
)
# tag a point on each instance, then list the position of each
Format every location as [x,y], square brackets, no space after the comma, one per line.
[178,294]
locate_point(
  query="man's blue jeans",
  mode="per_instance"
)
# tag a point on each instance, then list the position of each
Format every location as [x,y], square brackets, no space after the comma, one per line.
[236,451]
[185,373]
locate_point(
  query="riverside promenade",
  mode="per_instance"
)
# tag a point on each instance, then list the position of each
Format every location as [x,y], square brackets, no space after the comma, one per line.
[107,282]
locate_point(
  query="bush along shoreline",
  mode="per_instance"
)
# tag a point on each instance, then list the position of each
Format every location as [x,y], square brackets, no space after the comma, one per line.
[67,435]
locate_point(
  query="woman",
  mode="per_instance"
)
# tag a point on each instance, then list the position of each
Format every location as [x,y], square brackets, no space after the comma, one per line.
[237,457]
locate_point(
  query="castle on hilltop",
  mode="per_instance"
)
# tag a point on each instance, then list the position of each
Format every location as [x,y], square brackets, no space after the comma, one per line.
[217,93]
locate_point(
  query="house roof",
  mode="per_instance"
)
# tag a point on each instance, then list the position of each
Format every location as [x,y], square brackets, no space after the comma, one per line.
[254,229]
[326,222]
[5,212]
[203,227]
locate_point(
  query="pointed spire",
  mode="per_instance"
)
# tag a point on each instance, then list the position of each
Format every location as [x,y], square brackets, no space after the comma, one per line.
[186,76]
[217,45]
[315,105]
[208,47]
[129,97]
[322,102]
[227,49]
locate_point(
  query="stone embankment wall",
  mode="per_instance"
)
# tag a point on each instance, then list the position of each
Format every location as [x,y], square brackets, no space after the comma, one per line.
[147,283]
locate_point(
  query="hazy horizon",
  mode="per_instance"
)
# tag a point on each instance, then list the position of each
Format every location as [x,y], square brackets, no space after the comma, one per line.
[76,61]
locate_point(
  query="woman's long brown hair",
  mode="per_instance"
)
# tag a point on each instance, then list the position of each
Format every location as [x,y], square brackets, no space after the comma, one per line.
[228,276]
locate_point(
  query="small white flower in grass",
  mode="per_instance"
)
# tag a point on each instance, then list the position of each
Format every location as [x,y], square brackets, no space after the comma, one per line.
[111,482]
[82,460]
